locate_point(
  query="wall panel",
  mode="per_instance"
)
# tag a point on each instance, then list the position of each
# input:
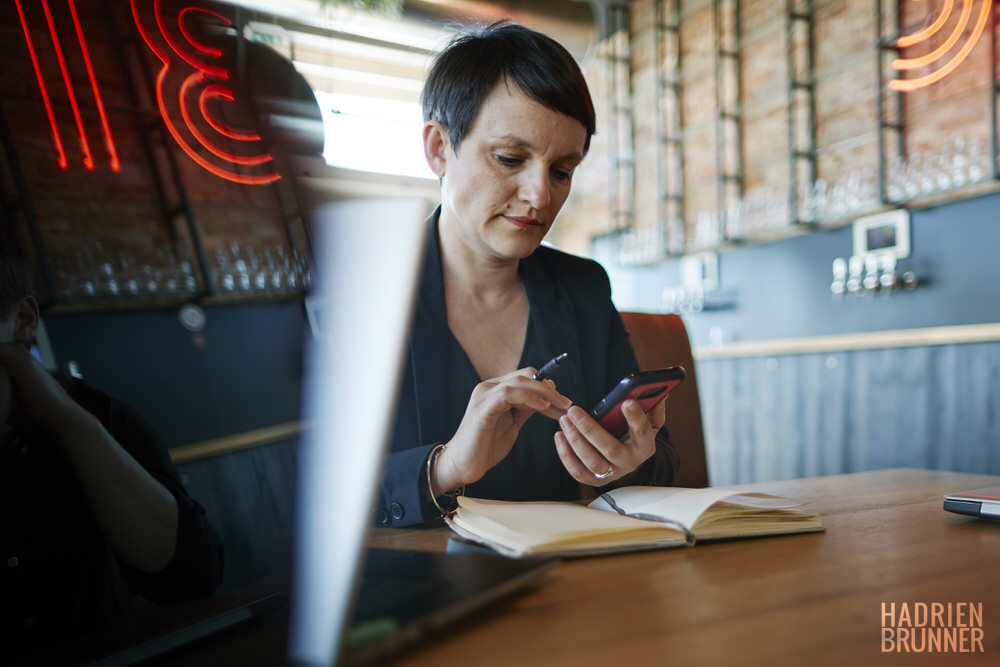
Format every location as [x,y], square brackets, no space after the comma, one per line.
[788,416]
[249,498]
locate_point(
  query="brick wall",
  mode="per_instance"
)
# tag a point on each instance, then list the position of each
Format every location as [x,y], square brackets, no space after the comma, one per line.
[845,124]
[77,208]
[90,216]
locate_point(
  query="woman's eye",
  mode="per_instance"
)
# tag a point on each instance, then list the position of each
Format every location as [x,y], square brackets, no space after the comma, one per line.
[508,161]
[563,174]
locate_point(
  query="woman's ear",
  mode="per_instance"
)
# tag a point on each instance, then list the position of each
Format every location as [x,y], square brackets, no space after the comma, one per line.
[436,147]
[25,320]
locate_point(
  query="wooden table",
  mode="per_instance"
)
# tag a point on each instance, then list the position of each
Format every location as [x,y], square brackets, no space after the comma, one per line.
[813,599]
[799,600]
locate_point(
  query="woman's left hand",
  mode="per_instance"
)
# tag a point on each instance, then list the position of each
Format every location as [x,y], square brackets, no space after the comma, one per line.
[595,457]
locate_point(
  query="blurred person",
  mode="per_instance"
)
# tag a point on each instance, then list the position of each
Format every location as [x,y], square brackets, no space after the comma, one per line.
[508,117]
[92,509]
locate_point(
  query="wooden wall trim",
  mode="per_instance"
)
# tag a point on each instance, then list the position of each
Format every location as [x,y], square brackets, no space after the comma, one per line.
[235,442]
[949,335]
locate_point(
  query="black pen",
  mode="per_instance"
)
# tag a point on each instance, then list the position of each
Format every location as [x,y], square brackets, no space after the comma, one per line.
[550,366]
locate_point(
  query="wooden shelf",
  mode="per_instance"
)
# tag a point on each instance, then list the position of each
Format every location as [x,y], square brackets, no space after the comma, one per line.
[948,335]
[235,442]
[166,303]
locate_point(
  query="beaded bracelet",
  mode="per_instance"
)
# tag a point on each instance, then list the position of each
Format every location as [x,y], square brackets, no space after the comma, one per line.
[450,495]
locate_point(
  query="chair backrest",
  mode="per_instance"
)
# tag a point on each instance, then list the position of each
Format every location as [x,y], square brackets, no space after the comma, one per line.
[661,340]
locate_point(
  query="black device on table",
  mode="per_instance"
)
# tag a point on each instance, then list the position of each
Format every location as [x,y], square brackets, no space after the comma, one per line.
[981,503]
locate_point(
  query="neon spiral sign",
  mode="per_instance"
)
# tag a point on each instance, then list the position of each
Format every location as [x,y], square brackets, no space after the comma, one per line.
[189,82]
[941,58]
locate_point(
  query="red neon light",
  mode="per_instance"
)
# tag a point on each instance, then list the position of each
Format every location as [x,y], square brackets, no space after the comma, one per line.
[219,72]
[905,85]
[222,173]
[208,50]
[253,160]
[56,140]
[168,122]
[217,125]
[88,159]
[109,143]
[161,54]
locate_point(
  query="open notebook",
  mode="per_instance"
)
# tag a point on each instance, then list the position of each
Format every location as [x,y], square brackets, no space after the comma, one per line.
[631,518]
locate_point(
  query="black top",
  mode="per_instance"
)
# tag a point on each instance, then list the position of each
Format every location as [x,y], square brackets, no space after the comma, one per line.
[58,577]
[570,311]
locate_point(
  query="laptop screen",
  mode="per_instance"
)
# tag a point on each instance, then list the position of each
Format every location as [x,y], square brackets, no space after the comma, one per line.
[368,257]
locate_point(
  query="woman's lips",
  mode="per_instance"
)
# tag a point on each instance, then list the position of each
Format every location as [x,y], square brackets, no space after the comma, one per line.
[523,223]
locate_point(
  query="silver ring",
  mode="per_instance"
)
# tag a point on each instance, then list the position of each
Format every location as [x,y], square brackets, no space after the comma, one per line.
[609,473]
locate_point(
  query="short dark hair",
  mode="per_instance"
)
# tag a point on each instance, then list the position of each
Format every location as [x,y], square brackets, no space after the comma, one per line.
[15,270]
[471,66]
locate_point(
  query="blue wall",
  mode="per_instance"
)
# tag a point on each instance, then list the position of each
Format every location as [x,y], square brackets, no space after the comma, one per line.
[244,374]
[794,415]
[782,289]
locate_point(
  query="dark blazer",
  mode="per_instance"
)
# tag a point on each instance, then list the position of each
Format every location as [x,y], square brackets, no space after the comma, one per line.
[571,311]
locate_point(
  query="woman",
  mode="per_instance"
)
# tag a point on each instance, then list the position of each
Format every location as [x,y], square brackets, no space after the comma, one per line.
[508,117]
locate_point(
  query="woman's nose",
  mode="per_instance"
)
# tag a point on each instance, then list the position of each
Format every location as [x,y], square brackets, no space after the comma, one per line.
[535,188]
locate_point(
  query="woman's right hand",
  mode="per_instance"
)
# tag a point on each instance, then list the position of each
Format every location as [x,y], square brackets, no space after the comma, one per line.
[496,411]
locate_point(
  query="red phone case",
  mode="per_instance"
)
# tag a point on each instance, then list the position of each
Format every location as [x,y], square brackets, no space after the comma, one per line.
[647,387]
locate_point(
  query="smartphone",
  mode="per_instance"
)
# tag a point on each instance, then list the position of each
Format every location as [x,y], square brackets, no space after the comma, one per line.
[647,387]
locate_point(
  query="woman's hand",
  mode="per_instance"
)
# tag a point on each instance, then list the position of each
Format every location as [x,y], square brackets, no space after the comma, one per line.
[496,411]
[595,457]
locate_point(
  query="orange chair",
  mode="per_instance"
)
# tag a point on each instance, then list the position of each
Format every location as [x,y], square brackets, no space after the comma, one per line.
[661,340]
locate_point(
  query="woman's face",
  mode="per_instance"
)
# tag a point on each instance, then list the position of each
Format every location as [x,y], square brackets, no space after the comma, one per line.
[502,190]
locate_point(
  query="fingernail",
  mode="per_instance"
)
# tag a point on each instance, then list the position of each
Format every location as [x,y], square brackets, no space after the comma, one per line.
[564,421]
[576,414]
[566,403]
